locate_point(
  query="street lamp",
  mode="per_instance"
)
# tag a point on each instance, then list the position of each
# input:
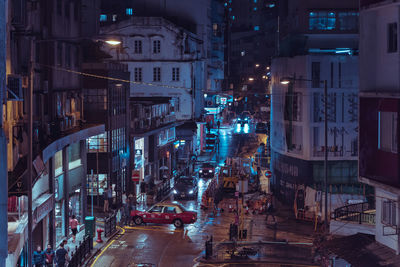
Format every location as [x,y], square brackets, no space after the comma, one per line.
[287,80]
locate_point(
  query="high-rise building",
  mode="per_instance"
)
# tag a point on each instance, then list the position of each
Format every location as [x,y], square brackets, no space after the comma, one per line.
[318,42]
[252,43]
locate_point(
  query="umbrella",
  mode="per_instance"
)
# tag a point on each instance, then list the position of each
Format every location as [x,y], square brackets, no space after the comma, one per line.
[163,168]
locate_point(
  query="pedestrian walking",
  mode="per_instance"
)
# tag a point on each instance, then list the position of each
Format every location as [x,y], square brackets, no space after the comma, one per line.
[73,223]
[106,204]
[110,196]
[38,257]
[61,256]
[49,256]
[118,216]
[270,210]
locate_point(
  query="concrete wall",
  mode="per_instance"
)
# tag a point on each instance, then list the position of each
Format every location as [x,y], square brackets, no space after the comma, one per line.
[346,123]
[386,235]
[379,70]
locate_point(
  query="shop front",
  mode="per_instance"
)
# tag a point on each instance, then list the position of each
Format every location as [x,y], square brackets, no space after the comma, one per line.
[138,171]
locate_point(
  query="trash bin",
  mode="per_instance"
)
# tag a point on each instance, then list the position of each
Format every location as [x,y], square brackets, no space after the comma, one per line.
[90,225]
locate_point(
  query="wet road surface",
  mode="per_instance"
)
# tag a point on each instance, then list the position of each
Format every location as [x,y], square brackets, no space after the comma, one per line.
[164,245]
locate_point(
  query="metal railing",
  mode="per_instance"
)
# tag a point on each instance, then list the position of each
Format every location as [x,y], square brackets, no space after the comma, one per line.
[110,224]
[81,252]
[355,213]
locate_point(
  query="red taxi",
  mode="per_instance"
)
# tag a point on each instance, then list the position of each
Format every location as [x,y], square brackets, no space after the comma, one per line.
[165,213]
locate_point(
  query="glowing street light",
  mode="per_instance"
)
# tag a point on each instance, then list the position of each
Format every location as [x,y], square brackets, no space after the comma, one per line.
[257,65]
[113,42]
[251,79]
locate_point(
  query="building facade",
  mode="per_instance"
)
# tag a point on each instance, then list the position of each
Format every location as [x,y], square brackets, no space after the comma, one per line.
[44,60]
[107,101]
[328,52]
[379,107]
[164,61]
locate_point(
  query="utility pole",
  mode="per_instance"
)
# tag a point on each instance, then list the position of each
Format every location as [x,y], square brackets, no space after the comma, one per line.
[326,152]
[30,152]
[3,140]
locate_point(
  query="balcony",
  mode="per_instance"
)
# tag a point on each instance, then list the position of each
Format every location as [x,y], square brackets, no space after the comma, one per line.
[333,151]
[141,126]
[352,219]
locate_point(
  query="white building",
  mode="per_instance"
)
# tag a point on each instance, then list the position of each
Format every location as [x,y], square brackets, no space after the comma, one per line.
[164,61]
[379,107]
[297,126]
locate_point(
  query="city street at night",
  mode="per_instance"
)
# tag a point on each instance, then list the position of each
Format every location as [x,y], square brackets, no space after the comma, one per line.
[197,133]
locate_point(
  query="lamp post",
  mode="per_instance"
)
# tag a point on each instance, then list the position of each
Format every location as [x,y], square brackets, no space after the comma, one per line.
[287,80]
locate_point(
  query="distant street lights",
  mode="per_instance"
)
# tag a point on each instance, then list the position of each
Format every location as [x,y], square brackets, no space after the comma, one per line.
[287,80]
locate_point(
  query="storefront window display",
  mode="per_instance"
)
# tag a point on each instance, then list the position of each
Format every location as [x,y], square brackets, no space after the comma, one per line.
[59,222]
[75,205]
[98,143]
[95,186]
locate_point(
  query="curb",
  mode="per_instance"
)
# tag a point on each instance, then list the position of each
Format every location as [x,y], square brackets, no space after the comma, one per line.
[93,255]
[251,262]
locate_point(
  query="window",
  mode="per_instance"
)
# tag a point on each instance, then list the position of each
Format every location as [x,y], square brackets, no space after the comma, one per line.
[129,11]
[68,56]
[103,17]
[317,103]
[348,21]
[156,209]
[114,17]
[76,10]
[169,210]
[315,74]
[156,47]
[387,131]
[322,20]
[138,74]
[389,213]
[256,28]
[138,46]
[67,8]
[59,7]
[175,74]
[392,38]
[157,74]
[59,54]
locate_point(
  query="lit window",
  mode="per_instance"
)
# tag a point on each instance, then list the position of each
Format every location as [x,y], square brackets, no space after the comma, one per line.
[226,4]
[322,20]
[256,28]
[243,53]
[129,11]
[255,9]
[114,17]
[233,17]
[255,1]
[103,17]
[387,131]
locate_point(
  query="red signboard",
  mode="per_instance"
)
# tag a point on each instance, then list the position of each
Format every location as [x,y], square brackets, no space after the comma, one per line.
[135,175]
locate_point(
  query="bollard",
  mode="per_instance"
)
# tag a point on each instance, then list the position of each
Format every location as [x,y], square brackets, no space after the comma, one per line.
[99,231]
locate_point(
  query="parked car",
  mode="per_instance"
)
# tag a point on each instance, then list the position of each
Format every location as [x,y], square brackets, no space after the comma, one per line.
[165,213]
[186,187]
[206,171]
[261,128]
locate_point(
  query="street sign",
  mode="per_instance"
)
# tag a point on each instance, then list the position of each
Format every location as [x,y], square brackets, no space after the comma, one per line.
[135,175]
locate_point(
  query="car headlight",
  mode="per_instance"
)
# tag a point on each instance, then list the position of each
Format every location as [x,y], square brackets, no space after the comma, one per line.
[238,119]
[191,192]
[175,192]
[210,171]
[200,171]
